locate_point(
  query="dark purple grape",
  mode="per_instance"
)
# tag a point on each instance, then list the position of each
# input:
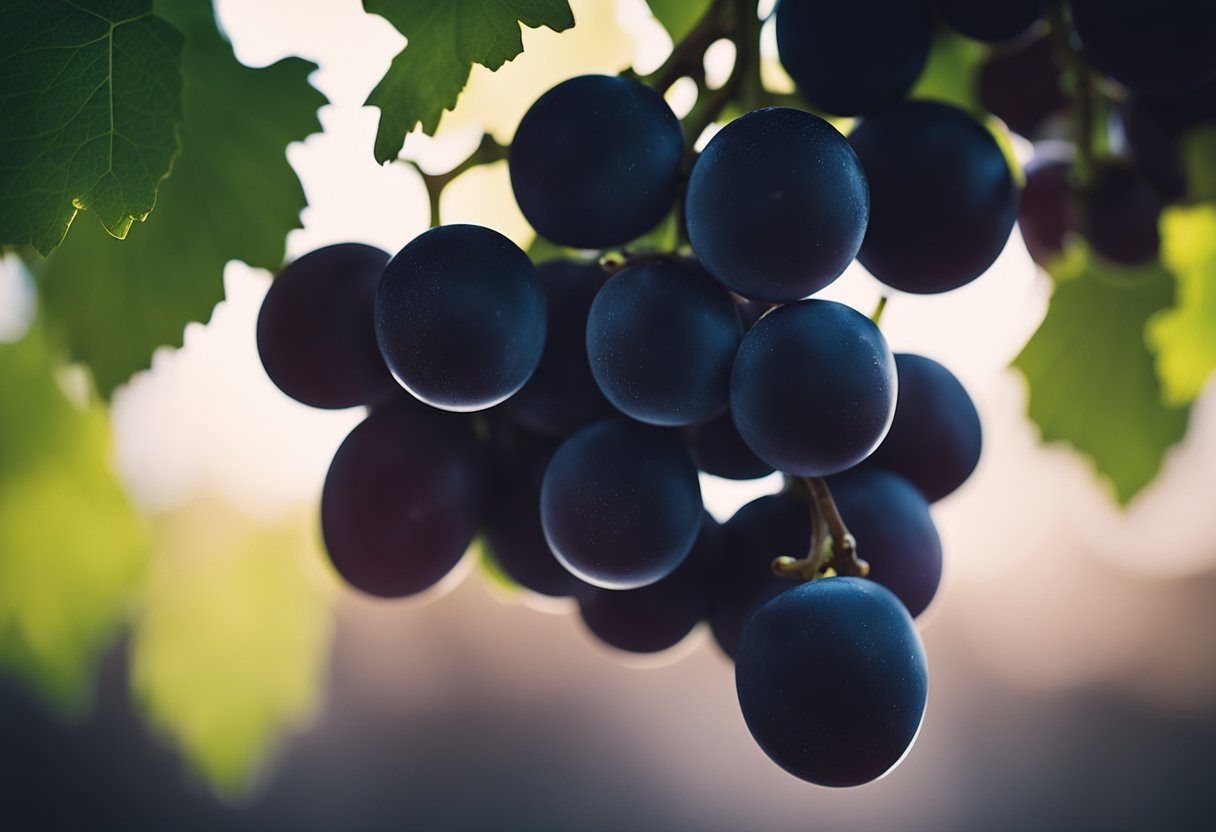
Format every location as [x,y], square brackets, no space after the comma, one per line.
[620,504]
[850,57]
[460,317]
[316,335]
[935,438]
[942,199]
[1022,86]
[764,529]
[1047,212]
[596,161]
[405,494]
[832,681]
[1122,211]
[894,531]
[813,388]
[776,205]
[661,338]
[562,395]
[1155,126]
[992,21]
[660,615]
[717,449]
[1157,45]
[513,529]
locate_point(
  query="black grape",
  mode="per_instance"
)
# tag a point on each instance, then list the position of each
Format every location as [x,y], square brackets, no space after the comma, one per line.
[1156,45]
[621,504]
[832,680]
[894,531]
[850,57]
[813,388]
[935,438]
[1156,144]
[1155,125]
[460,317]
[513,531]
[595,161]
[315,332]
[403,499]
[1022,86]
[1047,211]
[764,529]
[942,199]
[661,338]
[660,615]
[991,21]
[717,449]
[1121,214]
[777,205]
[562,395]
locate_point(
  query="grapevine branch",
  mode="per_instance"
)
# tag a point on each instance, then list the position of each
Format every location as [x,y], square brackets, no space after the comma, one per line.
[832,546]
[1084,92]
[487,152]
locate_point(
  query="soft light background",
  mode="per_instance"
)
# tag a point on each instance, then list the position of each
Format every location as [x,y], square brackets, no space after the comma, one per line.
[1071,648]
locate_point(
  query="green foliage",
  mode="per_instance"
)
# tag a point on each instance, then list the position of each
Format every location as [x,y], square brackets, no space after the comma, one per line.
[488,565]
[92,104]
[679,16]
[1199,157]
[1091,376]
[232,195]
[230,643]
[951,72]
[72,548]
[446,37]
[1184,336]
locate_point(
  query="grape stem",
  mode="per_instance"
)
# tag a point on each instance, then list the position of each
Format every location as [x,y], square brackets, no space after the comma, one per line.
[744,32]
[876,315]
[488,151]
[687,56]
[832,546]
[1084,92]
[614,262]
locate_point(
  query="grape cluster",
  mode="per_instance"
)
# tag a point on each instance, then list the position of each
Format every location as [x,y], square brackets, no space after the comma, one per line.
[564,411]
[1106,165]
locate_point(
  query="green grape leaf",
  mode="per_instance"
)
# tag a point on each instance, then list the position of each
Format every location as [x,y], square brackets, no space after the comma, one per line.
[950,74]
[1091,376]
[232,196]
[72,548]
[231,640]
[92,104]
[1199,160]
[679,16]
[1184,335]
[445,38]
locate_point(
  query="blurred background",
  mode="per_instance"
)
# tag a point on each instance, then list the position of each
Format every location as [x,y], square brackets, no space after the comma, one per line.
[180,654]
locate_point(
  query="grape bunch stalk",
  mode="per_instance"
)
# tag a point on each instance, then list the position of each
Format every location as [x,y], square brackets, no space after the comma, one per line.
[564,410]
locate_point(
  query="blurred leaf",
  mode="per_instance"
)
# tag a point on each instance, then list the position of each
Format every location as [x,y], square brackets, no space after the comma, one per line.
[445,38]
[488,563]
[1184,335]
[1199,159]
[232,196]
[231,641]
[951,72]
[72,548]
[679,16]
[92,104]
[663,237]
[542,251]
[1091,375]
